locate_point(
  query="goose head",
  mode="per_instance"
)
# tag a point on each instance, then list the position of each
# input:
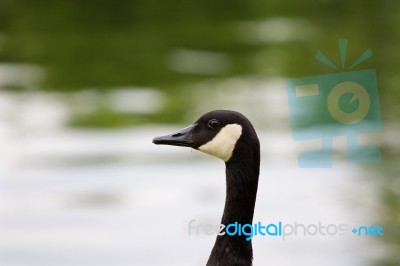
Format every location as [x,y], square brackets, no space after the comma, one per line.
[219,133]
[230,136]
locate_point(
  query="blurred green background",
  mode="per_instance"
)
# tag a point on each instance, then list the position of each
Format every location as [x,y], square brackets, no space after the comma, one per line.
[172,45]
[128,64]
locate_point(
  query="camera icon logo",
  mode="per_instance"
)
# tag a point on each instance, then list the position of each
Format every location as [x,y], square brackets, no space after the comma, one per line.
[339,104]
[358,92]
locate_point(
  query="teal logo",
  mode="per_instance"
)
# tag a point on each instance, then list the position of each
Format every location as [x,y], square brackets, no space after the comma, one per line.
[282,230]
[340,104]
[368,231]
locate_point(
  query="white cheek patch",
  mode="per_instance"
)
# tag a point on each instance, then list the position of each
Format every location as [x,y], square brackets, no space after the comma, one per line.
[223,144]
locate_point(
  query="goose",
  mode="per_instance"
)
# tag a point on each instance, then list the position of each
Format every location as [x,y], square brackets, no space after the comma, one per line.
[230,136]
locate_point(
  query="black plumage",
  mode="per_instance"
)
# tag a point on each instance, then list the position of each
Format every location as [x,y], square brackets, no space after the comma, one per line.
[242,171]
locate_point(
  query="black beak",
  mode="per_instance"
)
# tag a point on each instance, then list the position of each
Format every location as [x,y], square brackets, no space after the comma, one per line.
[180,138]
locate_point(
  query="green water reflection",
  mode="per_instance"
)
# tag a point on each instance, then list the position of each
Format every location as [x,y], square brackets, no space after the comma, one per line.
[104,44]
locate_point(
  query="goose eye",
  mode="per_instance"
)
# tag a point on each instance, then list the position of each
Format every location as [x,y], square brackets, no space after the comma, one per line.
[213,123]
